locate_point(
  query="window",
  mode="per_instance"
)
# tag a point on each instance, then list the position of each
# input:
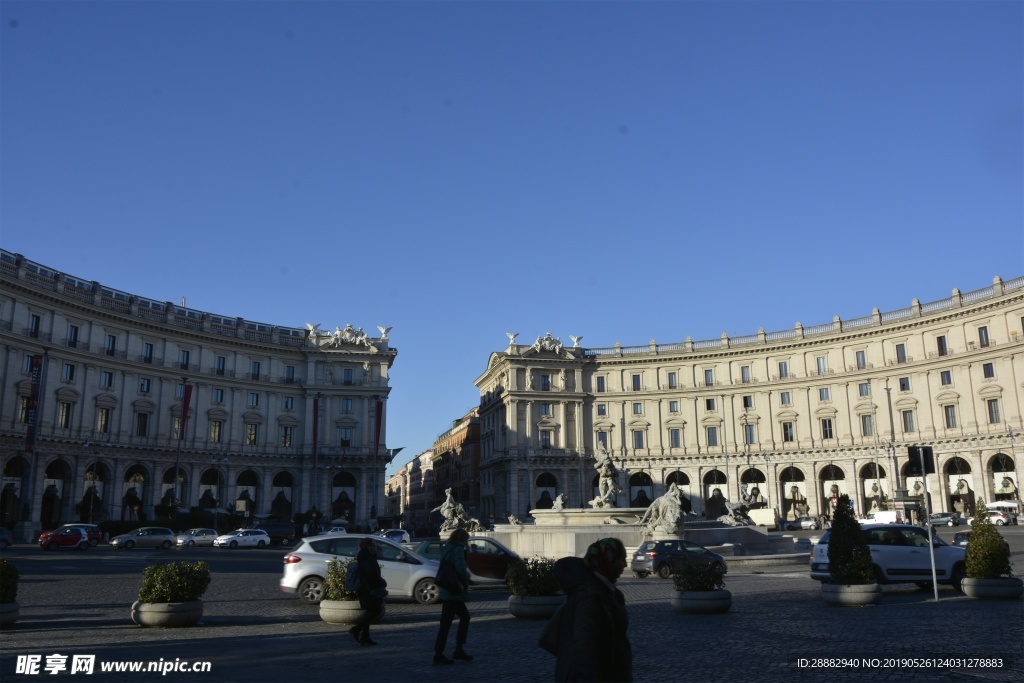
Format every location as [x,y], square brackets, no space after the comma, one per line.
[602,439]
[147,352]
[988,370]
[867,425]
[709,378]
[144,385]
[183,359]
[940,343]
[254,399]
[179,391]
[141,424]
[103,420]
[823,394]
[252,433]
[600,384]
[907,417]
[946,377]
[23,410]
[346,406]
[673,438]
[68,374]
[712,434]
[638,438]
[33,325]
[787,431]
[783,369]
[286,436]
[822,364]
[786,398]
[545,438]
[673,406]
[992,405]
[638,408]
[176,427]
[289,374]
[748,434]
[748,401]
[254,369]
[672,383]
[745,374]
[545,408]
[107,379]
[218,396]
[215,429]
[219,365]
[709,404]
[64,415]
[949,413]
[636,382]
[826,428]
[862,360]
[346,376]
[26,366]
[289,403]
[345,436]
[602,409]
[545,382]
[111,345]
[864,389]
[901,353]
[904,384]
[72,336]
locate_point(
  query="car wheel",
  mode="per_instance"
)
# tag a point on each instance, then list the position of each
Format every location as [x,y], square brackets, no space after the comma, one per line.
[427,592]
[311,590]
[999,522]
[53,545]
[718,568]
[959,574]
[234,544]
[93,542]
[260,544]
[165,545]
[641,575]
[949,523]
[129,545]
[789,527]
[664,571]
[285,542]
[926,585]
[191,544]
[83,545]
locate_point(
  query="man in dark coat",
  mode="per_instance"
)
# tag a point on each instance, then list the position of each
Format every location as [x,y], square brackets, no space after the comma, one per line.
[371,590]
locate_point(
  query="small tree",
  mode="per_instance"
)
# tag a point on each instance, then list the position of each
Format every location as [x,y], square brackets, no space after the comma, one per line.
[334,582]
[849,558]
[534,576]
[174,582]
[988,556]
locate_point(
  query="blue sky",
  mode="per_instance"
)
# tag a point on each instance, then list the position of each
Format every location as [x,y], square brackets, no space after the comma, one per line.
[624,171]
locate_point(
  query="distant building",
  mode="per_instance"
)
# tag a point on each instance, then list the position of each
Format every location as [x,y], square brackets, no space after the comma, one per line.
[456,465]
[411,492]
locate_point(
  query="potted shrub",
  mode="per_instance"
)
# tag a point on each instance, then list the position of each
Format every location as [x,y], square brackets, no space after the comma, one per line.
[8,593]
[988,562]
[536,593]
[340,605]
[700,589]
[170,594]
[849,561]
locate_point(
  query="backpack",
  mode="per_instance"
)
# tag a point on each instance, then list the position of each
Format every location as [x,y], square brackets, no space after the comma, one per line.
[352,581]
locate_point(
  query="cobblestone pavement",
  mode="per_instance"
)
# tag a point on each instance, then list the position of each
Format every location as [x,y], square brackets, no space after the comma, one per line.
[253,632]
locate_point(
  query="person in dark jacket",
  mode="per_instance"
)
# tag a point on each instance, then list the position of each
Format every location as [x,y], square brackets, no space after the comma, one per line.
[371,590]
[453,604]
[593,644]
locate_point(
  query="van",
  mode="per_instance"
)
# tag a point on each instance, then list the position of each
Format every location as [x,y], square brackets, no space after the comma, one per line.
[279,532]
[882,517]
[1011,508]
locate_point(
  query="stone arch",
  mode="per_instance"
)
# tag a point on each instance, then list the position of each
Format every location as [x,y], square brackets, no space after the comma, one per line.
[343,496]
[134,492]
[547,485]
[641,490]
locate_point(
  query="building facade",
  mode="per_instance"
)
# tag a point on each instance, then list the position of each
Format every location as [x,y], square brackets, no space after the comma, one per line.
[411,493]
[786,421]
[93,387]
[456,464]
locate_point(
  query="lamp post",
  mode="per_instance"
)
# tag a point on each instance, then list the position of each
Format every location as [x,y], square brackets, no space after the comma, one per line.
[185,398]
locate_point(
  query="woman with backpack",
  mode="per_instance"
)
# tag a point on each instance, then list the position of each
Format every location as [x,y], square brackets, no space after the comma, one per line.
[371,590]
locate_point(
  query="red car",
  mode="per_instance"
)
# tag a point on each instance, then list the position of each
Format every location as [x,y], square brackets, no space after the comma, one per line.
[93,531]
[65,537]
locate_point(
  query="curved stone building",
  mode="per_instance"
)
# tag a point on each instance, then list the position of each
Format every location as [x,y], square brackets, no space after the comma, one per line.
[92,386]
[785,420]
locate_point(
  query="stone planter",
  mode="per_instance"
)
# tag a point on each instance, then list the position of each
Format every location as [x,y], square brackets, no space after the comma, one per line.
[347,612]
[851,595]
[702,602]
[167,614]
[8,614]
[534,606]
[1003,588]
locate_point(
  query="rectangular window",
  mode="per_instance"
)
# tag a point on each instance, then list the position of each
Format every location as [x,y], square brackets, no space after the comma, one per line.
[103,420]
[218,396]
[864,389]
[600,384]
[709,404]
[346,376]
[141,424]
[907,417]
[822,364]
[111,345]
[709,378]
[672,382]
[175,427]
[219,365]
[940,344]
[107,379]
[636,382]
[289,374]
[144,385]
[215,429]
[289,403]
[673,406]
[72,336]
[823,394]
[26,366]
[602,409]
[992,405]
[147,352]
[745,374]
[23,410]
[602,440]
[983,337]
[786,398]
[673,438]
[254,369]
[638,408]
[33,325]
[64,415]
[254,399]
[826,428]
[286,436]
[988,370]
[345,436]
[949,412]
[545,382]
[179,391]
[901,353]
[783,369]
[748,435]
[252,433]
[862,360]
[712,434]
[787,431]
[545,438]
[904,384]
[183,359]
[867,425]
[748,401]
[946,377]
[545,408]
[68,374]
[346,406]
[638,438]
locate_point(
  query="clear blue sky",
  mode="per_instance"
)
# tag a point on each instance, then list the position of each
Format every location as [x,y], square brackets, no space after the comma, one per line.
[457,170]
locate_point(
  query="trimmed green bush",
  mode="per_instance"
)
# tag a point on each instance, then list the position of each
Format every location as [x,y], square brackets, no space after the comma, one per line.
[174,582]
[334,582]
[698,578]
[533,577]
[988,556]
[8,581]
[849,558]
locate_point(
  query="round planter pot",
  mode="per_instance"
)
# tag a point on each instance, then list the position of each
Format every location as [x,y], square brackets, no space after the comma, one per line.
[702,602]
[851,596]
[8,614]
[1004,588]
[534,606]
[167,614]
[346,612]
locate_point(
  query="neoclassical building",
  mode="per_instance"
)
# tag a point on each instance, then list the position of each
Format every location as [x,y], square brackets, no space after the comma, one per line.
[93,384]
[786,420]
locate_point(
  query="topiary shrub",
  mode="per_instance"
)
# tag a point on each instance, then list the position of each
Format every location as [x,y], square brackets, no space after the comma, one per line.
[988,556]
[698,578]
[334,582]
[8,581]
[532,577]
[174,582]
[849,558]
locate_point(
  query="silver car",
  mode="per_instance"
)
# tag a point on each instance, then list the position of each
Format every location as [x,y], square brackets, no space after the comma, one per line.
[408,575]
[145,537]
[194,537]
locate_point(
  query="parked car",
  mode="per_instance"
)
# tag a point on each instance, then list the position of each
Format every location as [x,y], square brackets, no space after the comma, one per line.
[64,537]
[194,537]
[333,531]
[899,554]
[92,531]
[997,517]
[945,519]
[802,523]
[408,575]
[279,532]
[145,537]
[243,538]
[664,558]
[882,517]
[487,559]
[396,535]
[6,538]
[961,538]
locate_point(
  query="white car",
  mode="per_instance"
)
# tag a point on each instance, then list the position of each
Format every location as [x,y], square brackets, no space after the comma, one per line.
[899,554]
[408,575]
[801,523]
[333,530]
[194,537]
[396,535]
[243,538]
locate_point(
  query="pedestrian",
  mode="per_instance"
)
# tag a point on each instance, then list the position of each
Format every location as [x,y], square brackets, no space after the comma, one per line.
[593,643]
[454,604]
[372,591]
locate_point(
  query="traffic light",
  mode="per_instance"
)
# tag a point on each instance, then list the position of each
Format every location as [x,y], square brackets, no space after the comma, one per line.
[922,460]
